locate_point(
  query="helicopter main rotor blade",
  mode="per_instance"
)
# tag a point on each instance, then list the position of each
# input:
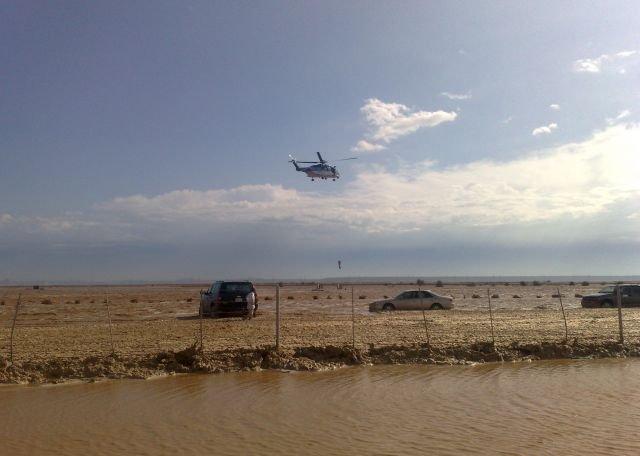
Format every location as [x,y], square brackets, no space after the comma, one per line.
[306,162]
[343,159]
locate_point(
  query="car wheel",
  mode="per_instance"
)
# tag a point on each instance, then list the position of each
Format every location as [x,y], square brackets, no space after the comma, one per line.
[607,304]
[436,306]
[388,307]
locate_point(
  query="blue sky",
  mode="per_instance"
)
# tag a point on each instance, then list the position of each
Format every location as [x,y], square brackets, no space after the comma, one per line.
[149,140]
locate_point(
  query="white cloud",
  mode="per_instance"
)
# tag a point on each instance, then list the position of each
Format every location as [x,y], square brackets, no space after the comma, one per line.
[625,54]
[595,65]
[365,146]
[507,120]
[390,121]
[621,116]
[554,107]
[456,96]
[544,130]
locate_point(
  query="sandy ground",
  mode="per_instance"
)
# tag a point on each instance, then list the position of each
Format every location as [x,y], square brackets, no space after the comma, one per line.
[71,322]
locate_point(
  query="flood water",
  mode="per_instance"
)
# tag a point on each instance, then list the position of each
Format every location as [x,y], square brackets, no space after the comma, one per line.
[564,407]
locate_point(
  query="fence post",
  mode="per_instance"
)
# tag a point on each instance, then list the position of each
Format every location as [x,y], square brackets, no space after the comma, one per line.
[564,316]
[619,298]
[426,328]
[353,320]
[113,348]
[13,327]
[201,312]
[493,338]
[424,316]
[277,317]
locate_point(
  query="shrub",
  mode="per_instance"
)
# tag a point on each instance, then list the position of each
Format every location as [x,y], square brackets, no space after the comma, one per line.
[471,284]
[386,297]
[538,296]
[290,298]
[189,299]
[577,295]
[506,284]
[329,297]
[572,283]
[536,283]
[1,303]
[92,301]
[339,296]
[77,301]
[419,282]
[516,297]
[362,297]
[585,284]
[134,300]
[46,301]
[475,296]
[267,298]
[523,283]
[315,297]
[495,296]
[439,283]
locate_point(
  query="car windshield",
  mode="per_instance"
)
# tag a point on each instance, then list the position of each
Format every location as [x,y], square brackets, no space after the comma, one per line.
[608,289]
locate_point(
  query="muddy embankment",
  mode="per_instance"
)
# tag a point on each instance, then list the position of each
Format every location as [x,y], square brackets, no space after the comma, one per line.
[191,360]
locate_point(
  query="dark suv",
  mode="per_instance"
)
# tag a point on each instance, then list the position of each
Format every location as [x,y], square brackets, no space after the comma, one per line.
[607,297]
[227,299]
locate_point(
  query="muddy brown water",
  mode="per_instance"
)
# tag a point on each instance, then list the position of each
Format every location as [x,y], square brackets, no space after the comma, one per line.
[559,407]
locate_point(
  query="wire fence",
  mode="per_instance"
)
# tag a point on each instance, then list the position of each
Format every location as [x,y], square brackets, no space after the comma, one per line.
[67,323]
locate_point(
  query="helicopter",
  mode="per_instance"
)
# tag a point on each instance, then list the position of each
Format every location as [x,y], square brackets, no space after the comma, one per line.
[320,169]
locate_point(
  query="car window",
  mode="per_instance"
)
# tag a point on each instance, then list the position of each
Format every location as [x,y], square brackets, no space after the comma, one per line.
[426,294]
[236,287]
[607,290]
[407,295]
[215,288]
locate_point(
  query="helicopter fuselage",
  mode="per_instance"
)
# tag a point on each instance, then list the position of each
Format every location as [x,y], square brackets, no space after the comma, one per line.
[320,171]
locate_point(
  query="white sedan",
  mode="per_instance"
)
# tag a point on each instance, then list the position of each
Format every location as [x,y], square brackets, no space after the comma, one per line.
[413,300]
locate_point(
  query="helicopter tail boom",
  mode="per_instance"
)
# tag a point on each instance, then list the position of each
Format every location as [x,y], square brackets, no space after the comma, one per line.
[295,164]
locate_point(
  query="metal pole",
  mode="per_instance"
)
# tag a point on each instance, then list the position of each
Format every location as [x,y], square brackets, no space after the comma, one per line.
[353,320]
[277,317]
[424,316]
[201,312]
[13,327]
[493,338]
[564,316]
[619,296]
[426,328]
[113,349]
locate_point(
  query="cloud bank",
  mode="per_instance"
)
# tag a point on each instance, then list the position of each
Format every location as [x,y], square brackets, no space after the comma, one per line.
[565,183]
